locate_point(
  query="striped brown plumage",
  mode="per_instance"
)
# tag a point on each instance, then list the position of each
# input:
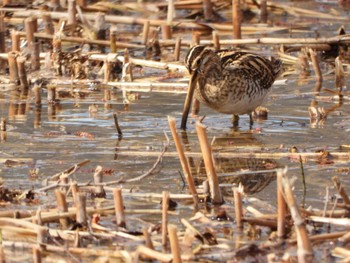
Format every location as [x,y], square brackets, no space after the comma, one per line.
[227,81]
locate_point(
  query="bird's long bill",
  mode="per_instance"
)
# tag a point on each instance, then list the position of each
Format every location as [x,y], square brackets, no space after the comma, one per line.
[188,101]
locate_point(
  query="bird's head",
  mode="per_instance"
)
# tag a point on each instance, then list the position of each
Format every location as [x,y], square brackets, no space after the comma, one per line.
[194,57]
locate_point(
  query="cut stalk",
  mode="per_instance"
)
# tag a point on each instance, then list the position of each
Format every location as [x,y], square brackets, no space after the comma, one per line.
[281,206]
[305,251]
[165,206]
[238,207]
[80,204]
[316,65]
[62,207]
[174,244]
[236,19]
[184,163]
[119,207]
[209,164]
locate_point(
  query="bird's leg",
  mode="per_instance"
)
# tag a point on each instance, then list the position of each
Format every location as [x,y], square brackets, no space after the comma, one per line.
[251,120]
[235,119]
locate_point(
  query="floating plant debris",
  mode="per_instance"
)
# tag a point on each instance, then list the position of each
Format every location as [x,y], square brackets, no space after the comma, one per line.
[90,150]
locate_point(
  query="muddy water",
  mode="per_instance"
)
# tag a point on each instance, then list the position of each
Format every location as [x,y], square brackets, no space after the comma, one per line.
[66,133]
[55,137]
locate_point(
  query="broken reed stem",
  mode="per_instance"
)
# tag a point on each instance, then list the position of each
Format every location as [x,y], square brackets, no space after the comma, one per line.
[98,179]
[37,116]
[51,94]
[56,54]
[35,23]
[3,134]
[177,49]
[209,164]
[261,222]
[166,32]
[116,123]
[145,32]
[30,24]
[238,207]
[72,13]
[281,207]
[165,206]
[206,190]
[15,41]
[2,124]
[302,65]
[22,73]
[75,190]
[207,9]
[37,93]
[345,239]
[303,178]
[119,207]
[147,237]
[127,74]
[263,11]
[29,29]
[236,19]
[48,24]
[316,65]
[36,254]
[196,39]
[80,204]
[184,163]
[341,190]
[42,234]
[35,56]
[171,12]
[2,254]
[107,70]
[77,241]
[2,42]
[339,75]
[113,39]
[216,40]
[62,207]
[63,180]
[305,252]
[13,68]
[2,34]
[174,243]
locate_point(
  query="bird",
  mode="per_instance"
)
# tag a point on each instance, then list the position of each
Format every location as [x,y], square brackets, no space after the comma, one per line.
[230,82]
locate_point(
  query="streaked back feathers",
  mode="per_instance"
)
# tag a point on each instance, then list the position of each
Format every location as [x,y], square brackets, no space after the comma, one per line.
[199,55]
[229,81]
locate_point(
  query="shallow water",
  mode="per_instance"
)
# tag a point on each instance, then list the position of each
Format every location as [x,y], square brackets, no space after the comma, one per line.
[71,136]
[52,138]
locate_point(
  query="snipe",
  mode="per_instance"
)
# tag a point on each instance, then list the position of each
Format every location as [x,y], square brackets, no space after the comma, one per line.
[228,81]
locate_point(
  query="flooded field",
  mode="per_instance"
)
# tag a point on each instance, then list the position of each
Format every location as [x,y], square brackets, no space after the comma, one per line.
[72,135]
[44,139]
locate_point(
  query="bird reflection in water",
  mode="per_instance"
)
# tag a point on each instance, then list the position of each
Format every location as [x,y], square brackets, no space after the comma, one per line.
[254,174]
